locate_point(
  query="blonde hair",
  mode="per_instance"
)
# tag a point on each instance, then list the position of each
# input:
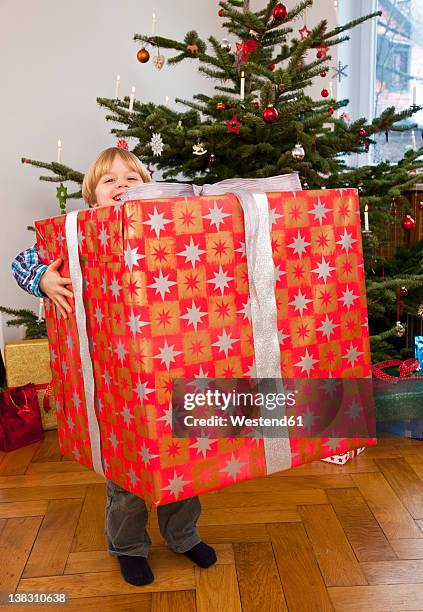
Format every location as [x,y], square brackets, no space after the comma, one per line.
[101,166]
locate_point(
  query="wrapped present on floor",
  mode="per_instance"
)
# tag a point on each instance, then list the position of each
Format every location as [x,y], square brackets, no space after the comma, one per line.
[231,283]
[28,361]
[20,419]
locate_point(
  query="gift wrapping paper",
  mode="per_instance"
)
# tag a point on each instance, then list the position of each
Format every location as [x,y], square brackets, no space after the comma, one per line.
[165,293]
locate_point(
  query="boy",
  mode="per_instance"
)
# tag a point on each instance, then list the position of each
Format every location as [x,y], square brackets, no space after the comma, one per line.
[109,176]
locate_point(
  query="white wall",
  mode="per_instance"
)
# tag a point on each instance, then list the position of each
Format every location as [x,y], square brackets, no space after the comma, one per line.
[56,57]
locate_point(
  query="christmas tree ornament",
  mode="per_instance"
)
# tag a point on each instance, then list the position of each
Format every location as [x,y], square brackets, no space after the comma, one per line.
[199,148]
[340,71]
[193,49]
[253,34]
[408,223]
[399,329]
[62,196]
[143,55]
[304,32]
[387,135]
[420,310]
[323,74]
[220,106]
[322,50]
[324,93]
[24,160]
[256,105]
[159,61]
[221,12]
[212,160]
[298,153]
[157,144]
[280,12]
[403,291]
[331,110]
[244,50]
[362,133]
[270,114]
[420,205]
[122,144]
[271,66]
[179,126]
[225,45]
[233,124]
[281,87]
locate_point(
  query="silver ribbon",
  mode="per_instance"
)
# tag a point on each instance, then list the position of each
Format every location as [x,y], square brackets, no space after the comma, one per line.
[253,199]
[84,349]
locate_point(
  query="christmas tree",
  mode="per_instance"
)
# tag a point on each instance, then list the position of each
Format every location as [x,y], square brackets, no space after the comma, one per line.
[261,121]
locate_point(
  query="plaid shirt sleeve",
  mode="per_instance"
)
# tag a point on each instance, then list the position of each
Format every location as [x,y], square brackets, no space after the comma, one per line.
[28,270]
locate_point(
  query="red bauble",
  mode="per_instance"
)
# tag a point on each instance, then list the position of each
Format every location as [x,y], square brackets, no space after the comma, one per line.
[280,12]
[403,291]
[319,55]
[324,93]
[220,12]
[143,55]
[256,105]
[420,205]
[270,114]
[331,110]
[362,133]
[408,223]
[271,67]
[122,144]
[323,74]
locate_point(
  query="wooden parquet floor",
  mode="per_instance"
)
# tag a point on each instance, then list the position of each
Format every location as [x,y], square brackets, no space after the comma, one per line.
[316,538]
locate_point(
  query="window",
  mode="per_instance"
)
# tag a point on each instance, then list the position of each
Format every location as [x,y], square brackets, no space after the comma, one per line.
[388,71]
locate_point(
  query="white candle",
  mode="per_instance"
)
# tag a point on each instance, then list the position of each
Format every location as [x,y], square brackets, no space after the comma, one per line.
[366,218]
[167,99]
[153,25]
[40,311]
[131,100]
[413,138]
[242,93]
[414,92]
[59,151]
[117,87]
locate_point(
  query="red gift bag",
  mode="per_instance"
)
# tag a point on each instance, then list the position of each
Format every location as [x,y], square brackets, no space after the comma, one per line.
[20,419]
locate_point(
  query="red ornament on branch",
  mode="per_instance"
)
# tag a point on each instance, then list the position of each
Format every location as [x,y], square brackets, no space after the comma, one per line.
[122,144]
[143,55]
[271,67]
[304,32]
[280,12]
[220,12]
[324,93]
[408,223]
[270,114]
[233,124]
[323,74]
[362,133]
[331,110]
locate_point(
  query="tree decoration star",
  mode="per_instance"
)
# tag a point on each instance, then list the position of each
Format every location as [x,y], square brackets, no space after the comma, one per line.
[304,32]
[62,195]
[340,71]
[233,124]
[322,50]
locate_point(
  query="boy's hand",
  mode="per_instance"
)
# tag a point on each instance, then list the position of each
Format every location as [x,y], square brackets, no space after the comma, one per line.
[54,286]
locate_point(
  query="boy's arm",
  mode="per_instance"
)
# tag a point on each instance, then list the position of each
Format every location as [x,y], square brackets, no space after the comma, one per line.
[28,270]
[41,280]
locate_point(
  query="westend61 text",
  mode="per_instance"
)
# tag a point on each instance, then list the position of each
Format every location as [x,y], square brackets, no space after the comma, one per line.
[222,401]
[243,421]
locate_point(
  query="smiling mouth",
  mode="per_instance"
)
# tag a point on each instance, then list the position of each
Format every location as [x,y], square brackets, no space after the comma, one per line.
[117,197]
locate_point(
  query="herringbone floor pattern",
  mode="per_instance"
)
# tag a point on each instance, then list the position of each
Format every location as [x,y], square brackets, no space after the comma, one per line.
[316,538]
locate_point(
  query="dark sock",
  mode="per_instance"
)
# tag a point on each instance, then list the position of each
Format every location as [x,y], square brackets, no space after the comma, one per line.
[135,570]
[202,554]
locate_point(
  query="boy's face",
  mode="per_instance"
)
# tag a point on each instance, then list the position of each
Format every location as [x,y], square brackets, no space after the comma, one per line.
[111,185]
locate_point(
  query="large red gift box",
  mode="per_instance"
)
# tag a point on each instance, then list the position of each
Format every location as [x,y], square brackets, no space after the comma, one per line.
[165,290]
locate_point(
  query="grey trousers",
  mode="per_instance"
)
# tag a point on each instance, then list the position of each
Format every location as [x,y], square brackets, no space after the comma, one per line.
[126,523]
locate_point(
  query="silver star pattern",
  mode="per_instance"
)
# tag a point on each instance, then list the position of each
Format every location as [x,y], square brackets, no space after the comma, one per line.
[220,280]
[162,284]
[225,342]
[327,327]
[324,270]
[135,324]
[132,257]
[202,445]
[194,315]
[346,241]
[192,253]
[299,245]
[216,216]
[319,211]
[348,298]
[167,354]
[300,302]
[157,221]
[306,363]
[233,467]
[176,484]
